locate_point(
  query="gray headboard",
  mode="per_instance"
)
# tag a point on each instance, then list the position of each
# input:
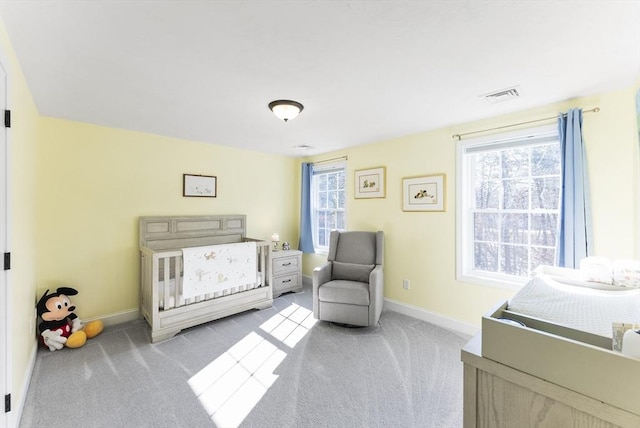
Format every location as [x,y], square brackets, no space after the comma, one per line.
[174,232]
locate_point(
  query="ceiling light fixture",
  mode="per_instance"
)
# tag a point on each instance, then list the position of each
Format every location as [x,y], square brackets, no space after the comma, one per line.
[285,109]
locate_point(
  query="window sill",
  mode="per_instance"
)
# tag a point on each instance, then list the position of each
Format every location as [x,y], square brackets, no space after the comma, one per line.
[494,281]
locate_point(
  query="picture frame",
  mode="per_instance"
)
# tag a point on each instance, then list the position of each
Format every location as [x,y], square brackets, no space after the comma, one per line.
[201,186]
[370,183]
[424,193]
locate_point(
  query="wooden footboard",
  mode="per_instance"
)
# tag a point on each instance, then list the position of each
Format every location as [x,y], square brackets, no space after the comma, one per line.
[162,304]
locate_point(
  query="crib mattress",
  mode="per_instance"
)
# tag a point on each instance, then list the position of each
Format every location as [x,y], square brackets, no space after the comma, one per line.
[568,303]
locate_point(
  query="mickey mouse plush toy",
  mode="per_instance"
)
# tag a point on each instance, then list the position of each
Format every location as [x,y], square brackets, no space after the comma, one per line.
[60,326]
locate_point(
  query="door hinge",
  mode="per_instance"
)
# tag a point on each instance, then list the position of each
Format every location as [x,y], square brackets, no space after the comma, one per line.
[7,403]
[7,118]
[7,261]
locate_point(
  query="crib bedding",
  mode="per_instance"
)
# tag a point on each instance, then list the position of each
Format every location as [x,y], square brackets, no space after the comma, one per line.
[576,304]
[216,268]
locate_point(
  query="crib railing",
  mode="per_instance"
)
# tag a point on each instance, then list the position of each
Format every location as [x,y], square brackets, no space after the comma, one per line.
[164,269]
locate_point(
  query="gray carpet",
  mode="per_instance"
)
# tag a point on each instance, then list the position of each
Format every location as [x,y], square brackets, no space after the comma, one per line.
[269,368]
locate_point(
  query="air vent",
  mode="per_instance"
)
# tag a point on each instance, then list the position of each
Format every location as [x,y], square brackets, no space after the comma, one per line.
[503,95]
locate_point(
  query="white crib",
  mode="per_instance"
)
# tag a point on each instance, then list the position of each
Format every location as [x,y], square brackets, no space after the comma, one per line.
[162,303]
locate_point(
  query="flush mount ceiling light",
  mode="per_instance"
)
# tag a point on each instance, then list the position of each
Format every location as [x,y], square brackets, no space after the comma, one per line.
[285,109]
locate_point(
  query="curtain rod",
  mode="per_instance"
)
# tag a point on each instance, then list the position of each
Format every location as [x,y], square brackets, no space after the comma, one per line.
[459,136]
[329,160]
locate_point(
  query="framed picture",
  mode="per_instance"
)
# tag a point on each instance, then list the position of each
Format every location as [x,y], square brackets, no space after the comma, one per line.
[370,183]
[424,193]
[203,186]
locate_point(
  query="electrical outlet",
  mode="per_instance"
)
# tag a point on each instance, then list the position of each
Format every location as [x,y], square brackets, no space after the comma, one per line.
[405,284]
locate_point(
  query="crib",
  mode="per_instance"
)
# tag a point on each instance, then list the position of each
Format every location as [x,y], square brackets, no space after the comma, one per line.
[162,302]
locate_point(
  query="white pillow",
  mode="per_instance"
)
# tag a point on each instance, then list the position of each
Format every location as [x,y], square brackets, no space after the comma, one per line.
[596,269]
[626,273]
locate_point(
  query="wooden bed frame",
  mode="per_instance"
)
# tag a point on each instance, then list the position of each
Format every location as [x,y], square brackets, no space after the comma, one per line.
[161,240]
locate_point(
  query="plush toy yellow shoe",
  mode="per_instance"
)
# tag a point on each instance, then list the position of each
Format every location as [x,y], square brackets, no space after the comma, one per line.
[93,328]
[76,340]
[79,338]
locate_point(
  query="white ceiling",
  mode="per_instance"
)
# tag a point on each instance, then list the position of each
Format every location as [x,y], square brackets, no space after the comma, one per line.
[364,70]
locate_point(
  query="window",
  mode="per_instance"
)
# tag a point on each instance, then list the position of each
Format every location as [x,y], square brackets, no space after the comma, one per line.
[508,201]
[327,202]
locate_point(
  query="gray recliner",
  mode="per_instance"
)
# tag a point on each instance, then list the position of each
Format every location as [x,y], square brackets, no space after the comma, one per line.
[348,287]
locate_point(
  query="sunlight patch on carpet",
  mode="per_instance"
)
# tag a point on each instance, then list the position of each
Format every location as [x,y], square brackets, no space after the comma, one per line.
[232,384]
[290,325]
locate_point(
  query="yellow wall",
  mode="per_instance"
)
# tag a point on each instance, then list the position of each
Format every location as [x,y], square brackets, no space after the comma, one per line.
[612,149]
[94,183]
[420,246]
[23,137]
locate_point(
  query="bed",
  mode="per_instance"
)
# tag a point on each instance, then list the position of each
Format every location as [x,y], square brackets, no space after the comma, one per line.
[170,249]
[545,359]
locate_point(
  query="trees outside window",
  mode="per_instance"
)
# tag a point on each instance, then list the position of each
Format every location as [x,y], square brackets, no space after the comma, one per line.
[508,204]
[328,202]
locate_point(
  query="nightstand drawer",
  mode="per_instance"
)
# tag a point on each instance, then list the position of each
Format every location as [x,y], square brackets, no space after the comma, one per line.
[285,264]
[286,282]
[286,271]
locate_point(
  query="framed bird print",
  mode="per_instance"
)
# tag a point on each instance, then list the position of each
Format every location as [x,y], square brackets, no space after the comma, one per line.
[204,186]
[370,183]
[424,193]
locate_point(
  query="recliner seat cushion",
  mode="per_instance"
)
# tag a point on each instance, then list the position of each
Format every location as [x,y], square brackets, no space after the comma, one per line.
[351,271]
[347,292]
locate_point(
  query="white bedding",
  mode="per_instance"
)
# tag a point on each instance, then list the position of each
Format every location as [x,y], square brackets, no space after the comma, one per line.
[577,306]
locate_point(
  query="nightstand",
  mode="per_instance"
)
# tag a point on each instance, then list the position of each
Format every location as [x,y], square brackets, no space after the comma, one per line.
[286,271]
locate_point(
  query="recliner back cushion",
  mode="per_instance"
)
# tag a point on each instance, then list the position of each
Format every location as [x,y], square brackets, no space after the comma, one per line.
[351,271]
[356,247]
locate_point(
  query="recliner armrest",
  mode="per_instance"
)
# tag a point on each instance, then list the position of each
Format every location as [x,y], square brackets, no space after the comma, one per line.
[376,294]
[322,274]
[376,277]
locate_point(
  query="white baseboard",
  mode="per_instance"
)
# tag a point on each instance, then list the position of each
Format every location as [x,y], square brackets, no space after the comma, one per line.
[118,317]
[431,317]
[307,280]
[26,381]
[421,314]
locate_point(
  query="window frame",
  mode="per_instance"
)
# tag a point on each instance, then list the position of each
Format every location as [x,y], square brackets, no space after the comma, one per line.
[465,207]
[327,168]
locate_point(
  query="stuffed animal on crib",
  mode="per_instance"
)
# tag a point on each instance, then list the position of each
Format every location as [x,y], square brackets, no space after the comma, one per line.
[60,326]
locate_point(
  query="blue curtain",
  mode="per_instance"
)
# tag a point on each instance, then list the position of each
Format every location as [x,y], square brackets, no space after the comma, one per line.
[574,234]
[306,228]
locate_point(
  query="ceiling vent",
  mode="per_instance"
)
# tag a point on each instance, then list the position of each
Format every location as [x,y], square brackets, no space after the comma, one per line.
[503,95]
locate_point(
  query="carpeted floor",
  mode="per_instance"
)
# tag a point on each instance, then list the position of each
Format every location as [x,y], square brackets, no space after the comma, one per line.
[271,368]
